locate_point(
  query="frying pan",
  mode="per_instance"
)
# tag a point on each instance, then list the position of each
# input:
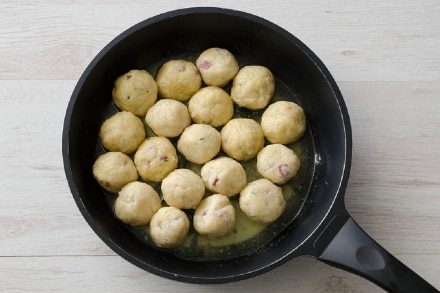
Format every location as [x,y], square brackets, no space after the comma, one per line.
[323,229]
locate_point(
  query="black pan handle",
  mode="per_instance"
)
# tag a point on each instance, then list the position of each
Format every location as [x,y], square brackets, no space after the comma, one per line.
[345,245]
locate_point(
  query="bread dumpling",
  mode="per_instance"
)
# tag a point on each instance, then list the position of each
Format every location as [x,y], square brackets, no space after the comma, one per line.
[169,227]
[183,189]
[199,143]
[242,138]
[178,80]
[277,163]
[155,158]
[224,175]
[211,105]
[135,91]
[253,87]
[136,204]
[113,170]
[283,122]
[215,216]
[122,132]
[217,66]
[168,118]
[262,201]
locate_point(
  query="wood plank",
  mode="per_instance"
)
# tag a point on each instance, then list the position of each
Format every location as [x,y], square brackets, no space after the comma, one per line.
[369,41]
[38,215]
[394,183]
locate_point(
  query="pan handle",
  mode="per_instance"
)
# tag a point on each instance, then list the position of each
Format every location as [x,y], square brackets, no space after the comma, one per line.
[345,245]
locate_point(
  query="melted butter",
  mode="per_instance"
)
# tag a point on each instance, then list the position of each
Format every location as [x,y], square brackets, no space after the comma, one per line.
[244,230]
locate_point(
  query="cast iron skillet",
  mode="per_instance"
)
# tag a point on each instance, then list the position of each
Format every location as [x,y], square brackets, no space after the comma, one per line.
[323,229]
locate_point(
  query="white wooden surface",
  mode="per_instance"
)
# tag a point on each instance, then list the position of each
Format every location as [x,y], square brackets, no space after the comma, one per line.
[385,56]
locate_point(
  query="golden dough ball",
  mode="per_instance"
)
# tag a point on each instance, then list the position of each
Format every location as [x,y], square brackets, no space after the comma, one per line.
[155,158]
[283,122]
[136,204]
[224,175]
[217,66]
[113,170]
[178,80]
[242,138]
[277,163]
[183,189]
[135,91]
[262,201]
[211,105]
[122,132]
[253,87]
[199,143]
[168,118]
[169,227]
[215,216]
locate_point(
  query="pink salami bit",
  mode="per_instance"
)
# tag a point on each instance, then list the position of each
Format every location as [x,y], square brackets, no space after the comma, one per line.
[164,159]
[216,180]
[284,170]
[205,65]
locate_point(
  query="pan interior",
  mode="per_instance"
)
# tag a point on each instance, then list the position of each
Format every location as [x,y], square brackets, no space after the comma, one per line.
[248,235]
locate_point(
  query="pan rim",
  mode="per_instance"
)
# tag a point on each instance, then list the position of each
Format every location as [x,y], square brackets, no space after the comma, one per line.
[162,17]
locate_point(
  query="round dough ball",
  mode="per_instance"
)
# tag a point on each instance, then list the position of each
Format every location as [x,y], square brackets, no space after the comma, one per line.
[224,175]
[135,91]
[215,216]
[277,163]
[168,118]
[136,203]
[178,80]
[183,189]
[262,201]
[217,66]
[211,105]
[122,132]
[113,170]
[253,87]
[199,143]
[242,138]
[155,158]
[283,122]
[169,227]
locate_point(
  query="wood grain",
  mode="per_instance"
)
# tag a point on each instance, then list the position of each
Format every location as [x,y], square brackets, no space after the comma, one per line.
[384,56]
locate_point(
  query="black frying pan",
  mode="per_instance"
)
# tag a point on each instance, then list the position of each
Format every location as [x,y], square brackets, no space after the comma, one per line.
[323,229]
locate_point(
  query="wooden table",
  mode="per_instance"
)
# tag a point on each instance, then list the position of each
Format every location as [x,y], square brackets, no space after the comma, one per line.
[385,56]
